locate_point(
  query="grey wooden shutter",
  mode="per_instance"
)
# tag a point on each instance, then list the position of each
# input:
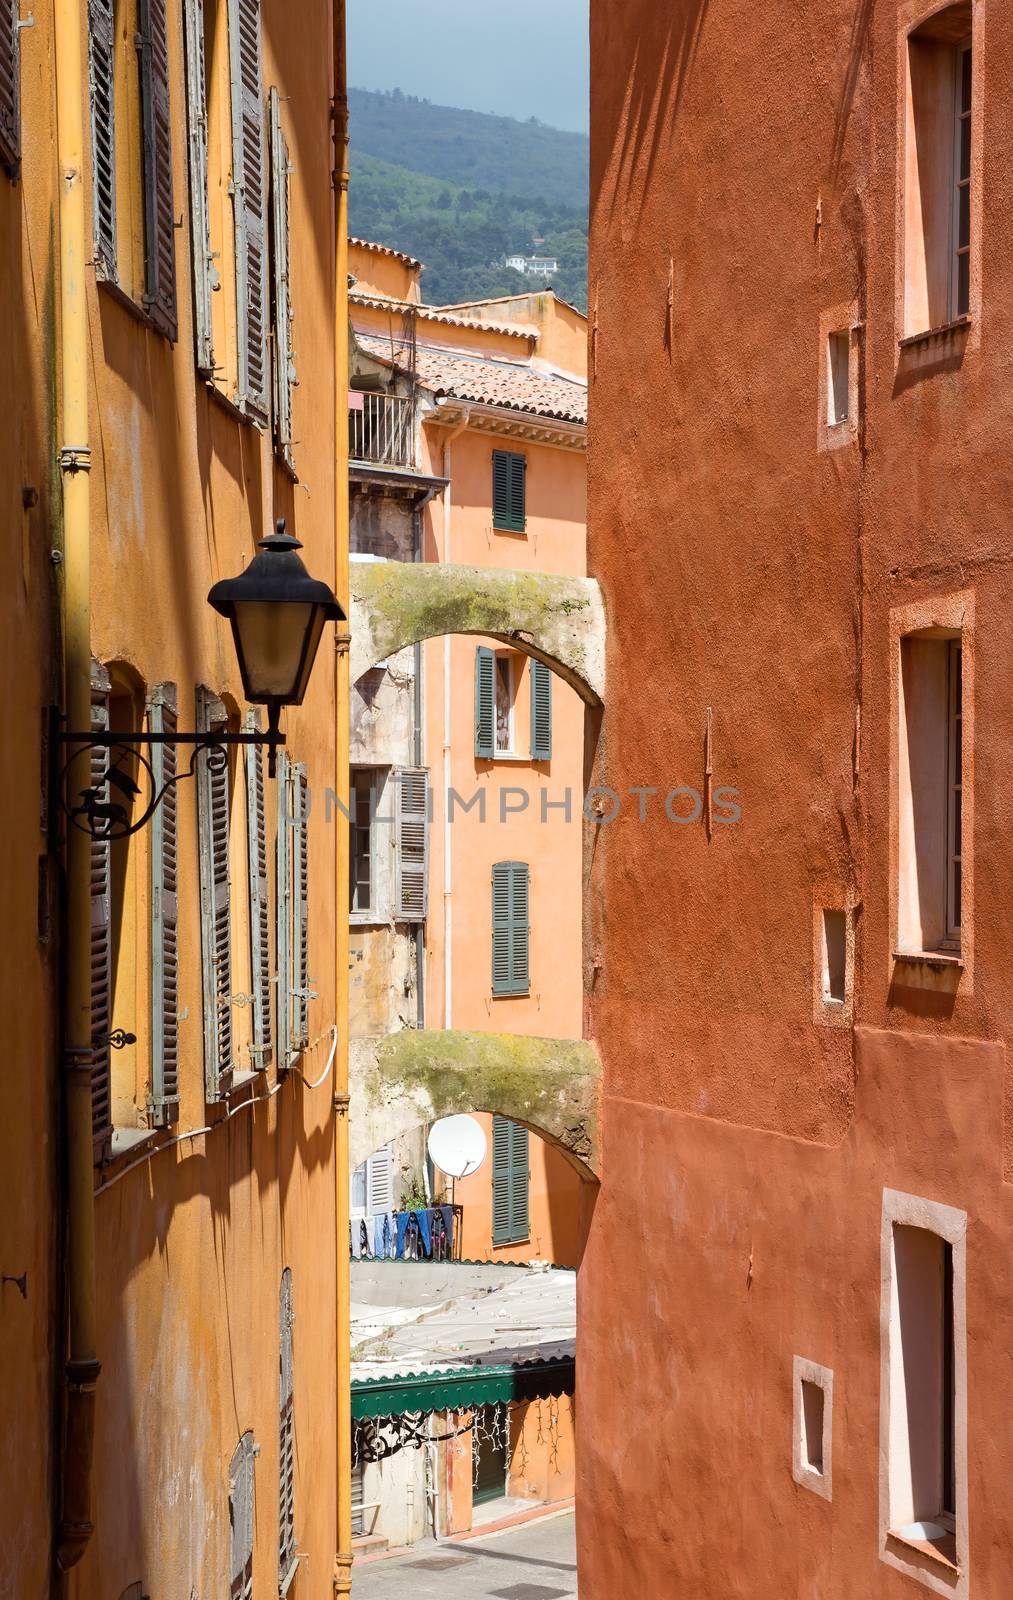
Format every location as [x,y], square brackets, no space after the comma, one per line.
[156,122]
[541,712]
[10,88]
[163,854]
[287,1558]
[101,932]
[283,926]
[411,878]
[485,703]
[380,1182]
[249,199]
[510,928]
[101,78]
[303,991]
[260,910]
[510,1180]
[241,1519]
[205,274]
[215,903]
[284,360]
[508,491]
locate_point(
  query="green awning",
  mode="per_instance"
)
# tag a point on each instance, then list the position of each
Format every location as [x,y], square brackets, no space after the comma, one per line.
[462,1388]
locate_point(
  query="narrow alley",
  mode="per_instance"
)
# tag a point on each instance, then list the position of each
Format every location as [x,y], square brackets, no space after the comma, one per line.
[535,1561]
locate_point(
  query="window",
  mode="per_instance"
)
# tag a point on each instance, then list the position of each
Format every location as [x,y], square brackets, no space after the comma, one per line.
[938,173]
[213,822]
[260,906]
[163,1104]
[288,1559]
[510,928]
[241,1519]
[10,87]
[541,712]
[363,809]
[510,1172]
[497,675]
[813,1427]
[925,1398]
[931,794]
[372,1185]
[295,990]
[838,377]
[509,509]
[128,67]
[835,955]
[505,691]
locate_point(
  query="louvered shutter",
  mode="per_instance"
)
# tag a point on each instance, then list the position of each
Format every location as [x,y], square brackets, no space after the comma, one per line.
[510,1180]
[541,712]
[380,1182]
[249,199]
[283,926]
[216,907]
[10,88]
[284,360]
[485,703]
[260,911]
[164,1103]
[287,1559]
[101,932]
[411,887]
[241,1519]
[508,491]
[159,222]
[510,928]
[101,76]
[302,992]
[205,274]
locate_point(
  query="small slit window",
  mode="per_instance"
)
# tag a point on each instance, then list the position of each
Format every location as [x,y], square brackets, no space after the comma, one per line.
[812,1455]
[838,377]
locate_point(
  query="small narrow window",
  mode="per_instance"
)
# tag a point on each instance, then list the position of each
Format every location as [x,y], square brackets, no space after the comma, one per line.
[961,266]
[505,692]
[954,785]
[835,954]
[838,377]
[813,1405]
[363,809]
[930,792]
[812,1464]
[938,166]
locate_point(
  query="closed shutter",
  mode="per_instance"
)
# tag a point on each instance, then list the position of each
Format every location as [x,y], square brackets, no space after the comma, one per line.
[10,88]
[249,200]
[485,703]
[241,1519]
[541,712]
[101,78]
[411,889]
[164,1103]
[159,222]
[283,925]
[284,360]
[380,1182]
[216,902]
[287,1559]
[303,991]
[510,928]
[101,932]
[205,274]
[508,491]
[358,1496]
[510,1173]
[260,910]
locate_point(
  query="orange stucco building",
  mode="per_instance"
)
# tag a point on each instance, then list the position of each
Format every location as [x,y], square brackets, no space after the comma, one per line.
[799,490]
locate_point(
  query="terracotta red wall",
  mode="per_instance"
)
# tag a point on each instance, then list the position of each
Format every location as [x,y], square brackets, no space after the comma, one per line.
[746,159]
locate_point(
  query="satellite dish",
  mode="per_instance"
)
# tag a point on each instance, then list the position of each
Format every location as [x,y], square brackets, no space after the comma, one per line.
[457,1145]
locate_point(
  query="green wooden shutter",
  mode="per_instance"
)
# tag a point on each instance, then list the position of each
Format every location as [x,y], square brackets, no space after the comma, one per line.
[205,273]
[215,902]
[411,885]
[101,932]
[485,703]
[10,88]
[283,925]
[163,1106]
[101,79]
[250,203]
[260,909]
[510,928]
[156,121]
[287,1557]
[510,1182]
[509,512]
[541,712]
[303,991]
[284,360]
[241,1519]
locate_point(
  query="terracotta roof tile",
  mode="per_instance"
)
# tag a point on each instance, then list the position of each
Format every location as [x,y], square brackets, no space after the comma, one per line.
[512,384]
[384,302]
[385,250]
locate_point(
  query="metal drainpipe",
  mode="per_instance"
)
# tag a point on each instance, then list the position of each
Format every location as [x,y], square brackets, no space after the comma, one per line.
[342,1577]
[448,860]
[82,1366]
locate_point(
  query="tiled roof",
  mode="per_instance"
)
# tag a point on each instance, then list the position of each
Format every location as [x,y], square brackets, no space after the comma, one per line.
[385,250]
[513,384]
[383,302]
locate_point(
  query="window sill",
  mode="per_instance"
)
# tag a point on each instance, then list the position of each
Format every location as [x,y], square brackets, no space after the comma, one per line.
[517,533]
[126,1140]
[511,758]
[939,959]
[946,330]
[937,1551]
[229,406]
[515,994]
[110,287]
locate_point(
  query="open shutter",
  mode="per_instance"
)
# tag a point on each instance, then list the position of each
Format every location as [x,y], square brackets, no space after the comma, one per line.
[287,1557]
[205,274]
[10,88]
[302,991]
[260,927]
[159,222]
[101,932]
[101,78]
[518,1182]
[508,485]
[485,703]
[164,1103]
[284,361]
[249,200]
[520,931]
[541,712]
[215,902]
[283,932]
[411,888]
[510,1176]
[510,928]
[241,1519]
[380,1182]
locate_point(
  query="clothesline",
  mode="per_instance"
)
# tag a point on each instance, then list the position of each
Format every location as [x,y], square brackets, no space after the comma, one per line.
[430,1233]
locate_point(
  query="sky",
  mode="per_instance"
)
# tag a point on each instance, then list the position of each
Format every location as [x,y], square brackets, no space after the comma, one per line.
[518,58]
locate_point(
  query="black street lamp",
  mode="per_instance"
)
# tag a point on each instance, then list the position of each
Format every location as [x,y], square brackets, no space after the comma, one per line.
[277,612]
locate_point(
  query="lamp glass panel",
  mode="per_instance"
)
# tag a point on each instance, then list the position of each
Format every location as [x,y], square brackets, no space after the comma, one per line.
[272,641]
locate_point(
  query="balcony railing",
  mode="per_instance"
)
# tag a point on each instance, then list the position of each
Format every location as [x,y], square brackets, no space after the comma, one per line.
[381,429]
